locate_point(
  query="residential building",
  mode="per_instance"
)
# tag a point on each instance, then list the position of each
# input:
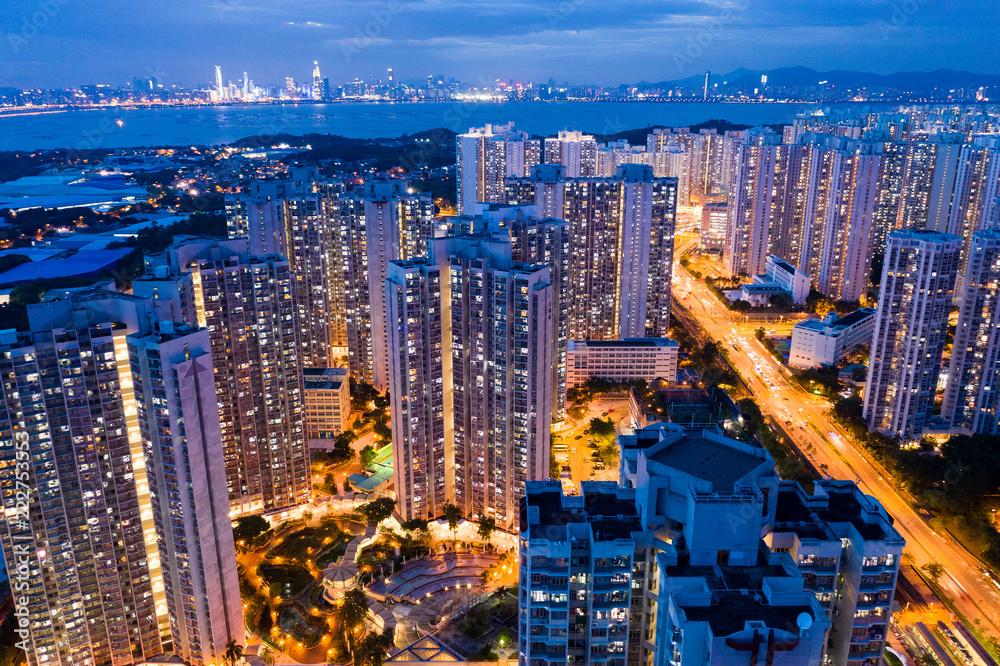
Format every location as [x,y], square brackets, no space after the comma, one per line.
[622,360]
[85,538]
[576,151]
[174,384]
[577,555]
[679,541]
[971,397]
[115,577]
[293,217]
[824,342]
[486,157]
[713,227]
[398,225]
[470,369]
[248,305]
[621,233]
[845,545]
[910,328]
[758,165]
[326,396]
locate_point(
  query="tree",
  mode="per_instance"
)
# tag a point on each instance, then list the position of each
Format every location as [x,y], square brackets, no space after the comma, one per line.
[487,525]
[249,528]
[602,427]
[760,333]
[367,455]
[353,610]
[752,418]
[378,510]
[781,302]
[371,650]
[452,514]
[234,652]
[741,306]
[362,393]
[934,571]
[414,525]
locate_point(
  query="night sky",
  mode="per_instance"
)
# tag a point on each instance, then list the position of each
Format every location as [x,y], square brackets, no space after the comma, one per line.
[66,43]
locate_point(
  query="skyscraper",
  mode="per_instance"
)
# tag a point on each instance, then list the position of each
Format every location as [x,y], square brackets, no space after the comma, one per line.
[108,564]
[248,305]
[931,168]
[182,440]
[398,225]
[621,247]
[481,326]
[296,217]
[219,88]
[485,157]
[972,397]
[317,85]
[576,151]
[914,303]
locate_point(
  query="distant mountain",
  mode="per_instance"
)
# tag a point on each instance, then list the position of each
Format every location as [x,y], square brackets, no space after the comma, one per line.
[915,82]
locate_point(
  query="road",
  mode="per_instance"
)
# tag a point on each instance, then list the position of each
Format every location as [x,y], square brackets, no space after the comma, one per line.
[829,447]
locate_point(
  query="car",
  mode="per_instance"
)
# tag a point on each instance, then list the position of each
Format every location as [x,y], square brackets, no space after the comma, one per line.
[579,437]
[566,468]
[592,444]
[611,411]
[573,449]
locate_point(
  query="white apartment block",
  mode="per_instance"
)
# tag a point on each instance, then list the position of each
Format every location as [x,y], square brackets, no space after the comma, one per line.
[622,360]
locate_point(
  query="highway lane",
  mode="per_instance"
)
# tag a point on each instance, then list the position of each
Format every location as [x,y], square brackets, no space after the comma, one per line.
[816,435]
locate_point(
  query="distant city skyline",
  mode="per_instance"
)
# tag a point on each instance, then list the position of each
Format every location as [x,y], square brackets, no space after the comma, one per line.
[65,45]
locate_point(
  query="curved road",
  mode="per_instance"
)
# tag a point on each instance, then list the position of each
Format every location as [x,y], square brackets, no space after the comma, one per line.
[808,422]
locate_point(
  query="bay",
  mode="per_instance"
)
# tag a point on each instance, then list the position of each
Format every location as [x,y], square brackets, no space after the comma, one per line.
[214,125]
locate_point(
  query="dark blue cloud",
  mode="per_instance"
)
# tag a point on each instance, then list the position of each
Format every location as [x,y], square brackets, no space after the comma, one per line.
[47,43]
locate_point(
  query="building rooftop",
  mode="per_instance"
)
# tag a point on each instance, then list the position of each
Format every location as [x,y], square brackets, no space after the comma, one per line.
[709,460]
[626,342]
[83,263]
[608,509]
[737,596]
[731,610]
[834,502]
[319,379]
[853,318]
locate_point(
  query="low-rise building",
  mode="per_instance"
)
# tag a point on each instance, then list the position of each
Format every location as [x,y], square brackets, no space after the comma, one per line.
[817,342]
[327,401]
[779,277]
[622,360]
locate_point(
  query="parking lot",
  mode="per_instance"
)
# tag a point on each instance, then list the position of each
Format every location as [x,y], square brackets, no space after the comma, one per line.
[579,454]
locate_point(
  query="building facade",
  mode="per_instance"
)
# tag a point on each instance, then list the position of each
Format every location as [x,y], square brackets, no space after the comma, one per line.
[327,401]
[622,360]
[818,342]
[248,305]
[471,325]
[915,300]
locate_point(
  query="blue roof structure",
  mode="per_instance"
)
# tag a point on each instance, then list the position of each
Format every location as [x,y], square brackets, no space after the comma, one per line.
[81,264]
